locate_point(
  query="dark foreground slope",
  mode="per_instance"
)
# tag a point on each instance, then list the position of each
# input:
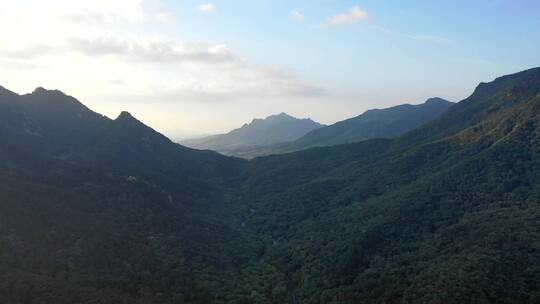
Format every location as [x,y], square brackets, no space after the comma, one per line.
[447,213]
[94,210]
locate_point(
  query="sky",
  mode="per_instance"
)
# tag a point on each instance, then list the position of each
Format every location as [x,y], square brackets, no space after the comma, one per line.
[191,67]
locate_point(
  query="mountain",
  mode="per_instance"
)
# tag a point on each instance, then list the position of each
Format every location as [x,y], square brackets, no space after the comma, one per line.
[95,209]
[260,132]
[383,123]
[59,126]
[445,213]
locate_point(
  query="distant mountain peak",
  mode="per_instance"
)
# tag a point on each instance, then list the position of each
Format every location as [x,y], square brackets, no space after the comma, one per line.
[55,101]
[125,118]
[436,100]
[277,128]
[5,91]
[376,123]
[41,91]
[280,116]
[283,115]
[125,115]
[528,77]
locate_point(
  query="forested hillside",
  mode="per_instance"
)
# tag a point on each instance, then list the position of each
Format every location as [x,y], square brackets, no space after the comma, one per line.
[113,212]
[445,214]
[379,123]
[108,211]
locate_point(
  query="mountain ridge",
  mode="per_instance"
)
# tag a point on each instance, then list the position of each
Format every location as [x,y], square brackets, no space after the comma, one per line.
[374,123]
[270,130]
[445,213]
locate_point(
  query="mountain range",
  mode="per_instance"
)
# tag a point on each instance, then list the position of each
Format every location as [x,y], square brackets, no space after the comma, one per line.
[377,123]
[94,210]
[260,132]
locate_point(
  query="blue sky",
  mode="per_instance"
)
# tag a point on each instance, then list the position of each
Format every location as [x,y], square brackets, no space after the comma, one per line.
[428,43]
[190,67]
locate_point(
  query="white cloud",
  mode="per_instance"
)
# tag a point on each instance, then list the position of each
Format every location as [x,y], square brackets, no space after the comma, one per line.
[105,11]
[16,64]
[355,15]
[163,69]
[106,41]
[207,8]
[236,82]
[100,53]
[153,50]
[296,15]
[164,16]
[28,52]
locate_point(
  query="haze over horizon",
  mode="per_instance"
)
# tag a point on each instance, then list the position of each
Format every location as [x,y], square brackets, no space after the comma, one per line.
[199,67]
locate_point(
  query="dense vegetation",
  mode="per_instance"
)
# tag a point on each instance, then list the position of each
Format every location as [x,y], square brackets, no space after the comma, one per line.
[447,213]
